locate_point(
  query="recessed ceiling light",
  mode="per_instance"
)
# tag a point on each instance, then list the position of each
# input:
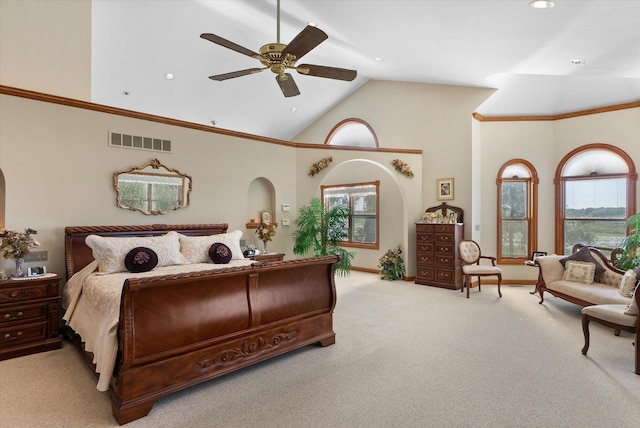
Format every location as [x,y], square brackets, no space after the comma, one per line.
[125,92]
[293,109]
[168,76]
[541,4]
[377,58]
[578,61]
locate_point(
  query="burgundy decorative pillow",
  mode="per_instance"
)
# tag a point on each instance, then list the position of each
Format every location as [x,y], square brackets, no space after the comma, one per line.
[141,259]
[583,255]
[220,253]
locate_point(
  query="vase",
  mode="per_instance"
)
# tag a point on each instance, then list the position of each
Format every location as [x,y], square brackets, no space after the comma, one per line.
[265,247]
[18,273]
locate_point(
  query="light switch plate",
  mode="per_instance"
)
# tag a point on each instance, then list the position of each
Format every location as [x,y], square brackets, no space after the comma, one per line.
[286,222]
[286,208]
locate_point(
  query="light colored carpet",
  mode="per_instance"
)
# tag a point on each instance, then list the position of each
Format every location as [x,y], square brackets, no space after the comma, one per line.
[406,356]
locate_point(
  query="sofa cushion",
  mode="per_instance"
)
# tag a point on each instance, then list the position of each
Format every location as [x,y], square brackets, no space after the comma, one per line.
[583,255]
[579,271]
[611,313]
[595,293]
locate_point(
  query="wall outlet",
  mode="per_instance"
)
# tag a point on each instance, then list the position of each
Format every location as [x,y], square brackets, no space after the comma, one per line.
[37,256]
[286,222]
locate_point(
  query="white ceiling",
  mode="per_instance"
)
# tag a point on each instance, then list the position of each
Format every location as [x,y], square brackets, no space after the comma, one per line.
[525,53]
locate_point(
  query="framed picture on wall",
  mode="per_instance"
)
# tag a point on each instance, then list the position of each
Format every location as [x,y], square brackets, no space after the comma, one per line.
[444,189]
[265,217]
[537,254]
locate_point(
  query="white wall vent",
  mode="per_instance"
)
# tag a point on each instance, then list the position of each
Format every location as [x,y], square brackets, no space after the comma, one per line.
[141,143]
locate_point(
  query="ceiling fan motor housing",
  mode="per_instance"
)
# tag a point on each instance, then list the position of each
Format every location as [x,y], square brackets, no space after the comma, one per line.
[272,57]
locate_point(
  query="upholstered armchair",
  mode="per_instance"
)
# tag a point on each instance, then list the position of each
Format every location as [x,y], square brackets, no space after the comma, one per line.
[470,255]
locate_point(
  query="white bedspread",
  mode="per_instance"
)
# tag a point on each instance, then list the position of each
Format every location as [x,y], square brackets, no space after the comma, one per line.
[92,303]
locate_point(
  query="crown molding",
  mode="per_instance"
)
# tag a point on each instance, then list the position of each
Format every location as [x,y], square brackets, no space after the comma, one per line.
[70,102]
[481,118]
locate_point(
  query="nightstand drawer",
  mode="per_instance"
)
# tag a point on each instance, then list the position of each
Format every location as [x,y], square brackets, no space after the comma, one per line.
[444,275]
[24,333]
[445,249]
[425,273]
[21,293]
[447,261]
[23,313]
[445,238]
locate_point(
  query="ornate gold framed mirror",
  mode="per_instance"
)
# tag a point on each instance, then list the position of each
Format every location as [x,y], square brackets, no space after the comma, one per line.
[152,188]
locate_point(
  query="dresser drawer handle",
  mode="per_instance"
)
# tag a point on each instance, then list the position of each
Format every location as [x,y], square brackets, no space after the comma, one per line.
[14,293]
[8,336]
[7,316]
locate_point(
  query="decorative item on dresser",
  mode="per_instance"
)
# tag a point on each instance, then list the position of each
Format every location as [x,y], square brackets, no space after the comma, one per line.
[29,316]
[437,249]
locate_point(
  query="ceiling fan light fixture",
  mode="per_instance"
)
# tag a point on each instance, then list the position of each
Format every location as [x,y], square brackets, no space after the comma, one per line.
[541,4]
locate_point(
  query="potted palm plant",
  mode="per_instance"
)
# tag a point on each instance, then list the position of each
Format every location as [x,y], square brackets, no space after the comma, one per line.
[321,230]
[630,256]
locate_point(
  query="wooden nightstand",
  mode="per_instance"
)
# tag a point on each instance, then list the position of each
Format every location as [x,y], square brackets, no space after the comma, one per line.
[269,257]
[29,316]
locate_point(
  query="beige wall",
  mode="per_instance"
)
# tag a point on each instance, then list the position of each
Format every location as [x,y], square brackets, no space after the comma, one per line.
[544,144]
[45,46]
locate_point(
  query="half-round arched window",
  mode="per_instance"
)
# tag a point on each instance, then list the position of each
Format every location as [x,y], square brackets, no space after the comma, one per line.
[595,193]
[517,211]
[352,132]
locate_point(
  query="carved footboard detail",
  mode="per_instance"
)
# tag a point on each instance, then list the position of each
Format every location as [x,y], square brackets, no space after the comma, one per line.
[249,349]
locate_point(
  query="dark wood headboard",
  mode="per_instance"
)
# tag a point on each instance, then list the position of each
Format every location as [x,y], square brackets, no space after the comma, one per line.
[78,254]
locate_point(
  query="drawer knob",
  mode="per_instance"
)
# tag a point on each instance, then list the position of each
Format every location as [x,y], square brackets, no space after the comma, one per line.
[7,316]
[6,336]
[14,293]
[19,314]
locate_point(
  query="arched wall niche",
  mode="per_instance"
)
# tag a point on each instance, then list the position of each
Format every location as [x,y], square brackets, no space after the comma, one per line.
[261,196]
[393,207]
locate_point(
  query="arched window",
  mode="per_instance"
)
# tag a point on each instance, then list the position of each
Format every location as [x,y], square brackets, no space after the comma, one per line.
[352,132]
[595,193]
[517,211]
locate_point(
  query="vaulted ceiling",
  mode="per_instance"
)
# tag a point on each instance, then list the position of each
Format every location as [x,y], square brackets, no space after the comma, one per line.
[524,53]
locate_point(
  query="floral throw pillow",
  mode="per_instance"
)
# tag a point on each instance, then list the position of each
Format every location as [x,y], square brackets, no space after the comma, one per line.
[628,283]
[583,255]
[579,271]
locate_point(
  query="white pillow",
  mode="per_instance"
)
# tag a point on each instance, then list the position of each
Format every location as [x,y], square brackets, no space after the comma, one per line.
[632,309]
[627,283]
[196,248]
[579,271]
[110,252]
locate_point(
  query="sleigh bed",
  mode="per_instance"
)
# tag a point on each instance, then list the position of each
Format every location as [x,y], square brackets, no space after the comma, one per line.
[174,328]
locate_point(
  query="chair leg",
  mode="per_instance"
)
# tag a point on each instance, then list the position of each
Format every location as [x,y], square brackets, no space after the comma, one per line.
[479,284]
[499,282]
[468,285]
[637,345]
[464,282]
[585,330]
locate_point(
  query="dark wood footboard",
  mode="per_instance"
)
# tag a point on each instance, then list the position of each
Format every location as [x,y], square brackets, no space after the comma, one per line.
[176,331]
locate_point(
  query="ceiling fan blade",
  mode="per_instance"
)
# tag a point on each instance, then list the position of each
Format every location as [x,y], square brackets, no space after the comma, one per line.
[287,85]
[230,45]
[307,39]
[328,72]
[239,73]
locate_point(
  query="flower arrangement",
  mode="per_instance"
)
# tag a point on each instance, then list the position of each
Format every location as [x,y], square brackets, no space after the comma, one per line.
[391,265]
[402,167]
[320,165]
[16,245]
[266,231]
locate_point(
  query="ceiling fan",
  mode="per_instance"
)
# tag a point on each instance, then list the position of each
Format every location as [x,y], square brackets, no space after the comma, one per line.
[279,57]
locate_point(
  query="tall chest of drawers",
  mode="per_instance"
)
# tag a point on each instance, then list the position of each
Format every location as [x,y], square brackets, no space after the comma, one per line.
[437,255]
[29,316]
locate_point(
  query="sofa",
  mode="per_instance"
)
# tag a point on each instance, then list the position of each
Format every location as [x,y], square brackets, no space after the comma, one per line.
[592,279]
